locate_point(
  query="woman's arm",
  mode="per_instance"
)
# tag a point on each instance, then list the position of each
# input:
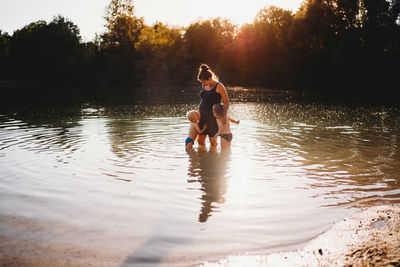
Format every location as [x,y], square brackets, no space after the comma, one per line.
[224,95]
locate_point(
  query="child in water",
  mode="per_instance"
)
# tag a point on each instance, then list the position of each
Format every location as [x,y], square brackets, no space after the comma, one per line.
[194,130]
[224,130]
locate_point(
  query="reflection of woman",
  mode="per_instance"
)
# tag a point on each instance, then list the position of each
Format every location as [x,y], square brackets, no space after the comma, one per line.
[209,168]
[212,92]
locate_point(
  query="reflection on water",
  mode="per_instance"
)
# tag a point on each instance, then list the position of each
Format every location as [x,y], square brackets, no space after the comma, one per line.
[118,179]
[208,168]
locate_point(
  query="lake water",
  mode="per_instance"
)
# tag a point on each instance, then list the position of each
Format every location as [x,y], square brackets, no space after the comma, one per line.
[113,186]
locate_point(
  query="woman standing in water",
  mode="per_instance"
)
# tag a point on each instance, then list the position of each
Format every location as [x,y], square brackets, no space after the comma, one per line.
[212,92]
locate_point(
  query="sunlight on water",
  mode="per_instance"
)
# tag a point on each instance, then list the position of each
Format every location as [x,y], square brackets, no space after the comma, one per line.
[117,184]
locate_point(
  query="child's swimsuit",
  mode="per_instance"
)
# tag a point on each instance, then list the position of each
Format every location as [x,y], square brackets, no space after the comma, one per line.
[188,140]
[227,137]
[208,99]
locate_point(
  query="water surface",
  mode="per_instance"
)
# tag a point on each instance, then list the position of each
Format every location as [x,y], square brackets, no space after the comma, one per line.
[113,186]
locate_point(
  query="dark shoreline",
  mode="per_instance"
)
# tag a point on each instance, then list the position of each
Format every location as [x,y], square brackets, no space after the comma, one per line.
[17,95]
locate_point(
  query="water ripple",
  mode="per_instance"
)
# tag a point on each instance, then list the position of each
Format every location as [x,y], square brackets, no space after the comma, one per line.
[106,166]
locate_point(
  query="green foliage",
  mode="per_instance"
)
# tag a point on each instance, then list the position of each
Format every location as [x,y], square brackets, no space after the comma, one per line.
[162,53]
[266,46]
[118,8]
[341,45]
[42,51]
[4,54]
[4,44]
[207,41]
[119,42]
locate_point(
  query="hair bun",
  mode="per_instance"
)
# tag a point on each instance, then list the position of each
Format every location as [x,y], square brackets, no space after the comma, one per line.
[204,67]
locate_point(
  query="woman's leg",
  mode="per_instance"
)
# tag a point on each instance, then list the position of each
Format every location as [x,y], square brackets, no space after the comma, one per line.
[213,144]
[201,139]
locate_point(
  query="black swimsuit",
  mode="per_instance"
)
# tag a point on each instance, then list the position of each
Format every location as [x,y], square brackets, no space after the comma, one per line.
[208,99]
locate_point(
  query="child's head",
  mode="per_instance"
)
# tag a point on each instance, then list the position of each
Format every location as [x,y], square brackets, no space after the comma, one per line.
[219,110]
[193,116]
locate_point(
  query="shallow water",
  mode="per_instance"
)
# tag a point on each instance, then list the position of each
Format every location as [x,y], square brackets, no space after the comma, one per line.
[116,184]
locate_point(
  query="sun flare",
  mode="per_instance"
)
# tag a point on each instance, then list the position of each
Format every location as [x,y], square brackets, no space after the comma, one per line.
[184,12]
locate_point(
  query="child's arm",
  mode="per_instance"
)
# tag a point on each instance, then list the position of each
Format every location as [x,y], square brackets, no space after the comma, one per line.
[200,131]
[234,121]
[219,130]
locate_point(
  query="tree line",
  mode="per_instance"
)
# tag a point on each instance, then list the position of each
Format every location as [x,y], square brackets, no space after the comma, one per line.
[336,46]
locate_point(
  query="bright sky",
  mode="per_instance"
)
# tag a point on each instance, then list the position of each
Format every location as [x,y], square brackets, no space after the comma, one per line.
[88,14]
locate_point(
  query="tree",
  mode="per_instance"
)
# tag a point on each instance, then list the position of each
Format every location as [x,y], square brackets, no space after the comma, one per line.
[162,49]
[118,8]
[260,50]
[272,25]
[45,52]
[379,35]
[207,40]
[4,54]
[119,42]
